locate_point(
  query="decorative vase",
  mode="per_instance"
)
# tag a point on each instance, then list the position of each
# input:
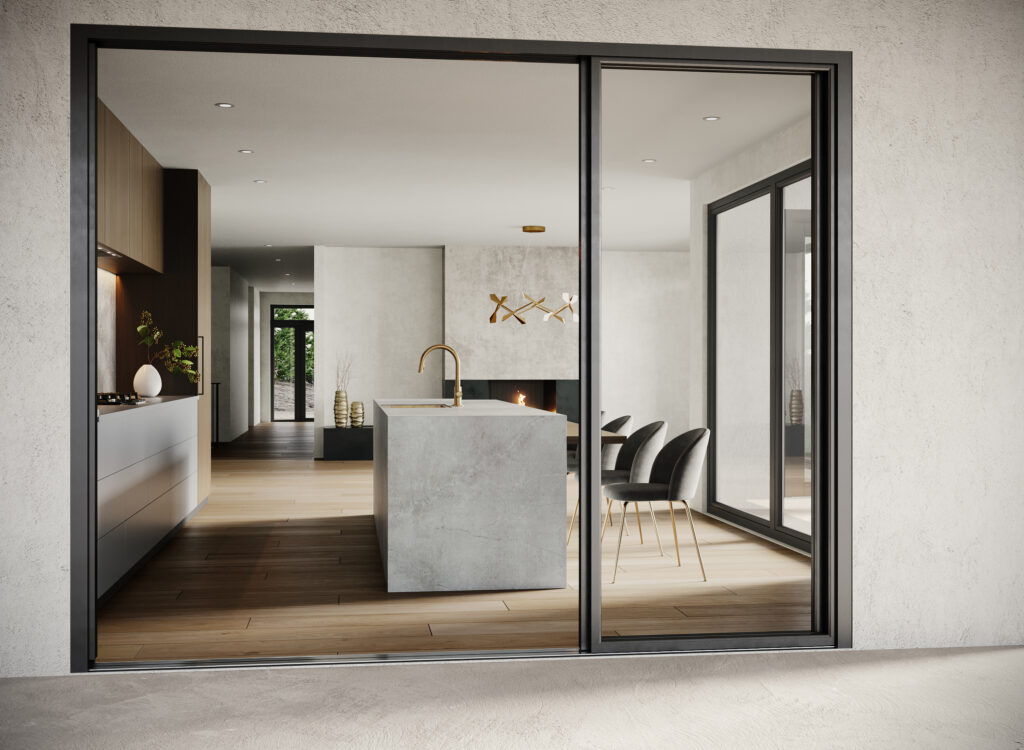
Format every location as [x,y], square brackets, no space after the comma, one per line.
[341,409]
[147,382]
[796,406]
[356,413]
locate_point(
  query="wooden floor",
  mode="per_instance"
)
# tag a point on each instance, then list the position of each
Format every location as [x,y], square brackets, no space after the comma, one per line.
[283,561]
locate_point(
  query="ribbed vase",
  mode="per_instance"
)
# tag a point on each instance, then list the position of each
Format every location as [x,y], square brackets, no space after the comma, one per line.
[340,409]
[356,413]
[796,406]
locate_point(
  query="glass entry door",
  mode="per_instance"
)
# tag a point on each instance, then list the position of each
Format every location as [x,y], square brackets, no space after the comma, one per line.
[292,354]
[761,357]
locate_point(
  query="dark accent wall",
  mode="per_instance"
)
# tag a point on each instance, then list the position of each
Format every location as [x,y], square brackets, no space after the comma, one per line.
[172,296]
[562,396]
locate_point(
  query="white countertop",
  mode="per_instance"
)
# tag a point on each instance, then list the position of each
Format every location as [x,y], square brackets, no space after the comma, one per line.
[103,410]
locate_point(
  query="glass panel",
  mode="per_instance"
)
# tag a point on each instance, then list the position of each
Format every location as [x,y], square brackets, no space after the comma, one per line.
[674,143]
[284,373]
[293,313]
[309,372]
[797,338]
[743,357]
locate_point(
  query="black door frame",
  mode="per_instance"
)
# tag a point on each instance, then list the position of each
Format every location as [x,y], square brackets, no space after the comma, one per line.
[299,326]
[831,75]
[772,528]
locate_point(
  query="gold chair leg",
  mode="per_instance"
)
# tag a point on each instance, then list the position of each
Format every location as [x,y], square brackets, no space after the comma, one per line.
[607,518]
[624,519]
[636,507]
[657,534]
[695,545]
[672,515]
[575,510]
[618,549]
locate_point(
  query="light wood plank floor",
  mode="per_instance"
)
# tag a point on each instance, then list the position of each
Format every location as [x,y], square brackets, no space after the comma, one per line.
[283,561]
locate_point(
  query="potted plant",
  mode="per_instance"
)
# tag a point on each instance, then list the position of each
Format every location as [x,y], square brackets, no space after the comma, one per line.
[178,357]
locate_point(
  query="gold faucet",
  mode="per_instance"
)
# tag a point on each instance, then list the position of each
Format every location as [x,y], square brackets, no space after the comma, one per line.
[458,369]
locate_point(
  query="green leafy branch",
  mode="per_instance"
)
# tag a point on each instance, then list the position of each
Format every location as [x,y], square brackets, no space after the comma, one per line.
[149,333]
[178,357]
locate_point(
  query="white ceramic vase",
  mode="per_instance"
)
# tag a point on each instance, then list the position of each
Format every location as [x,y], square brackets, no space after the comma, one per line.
[147,382]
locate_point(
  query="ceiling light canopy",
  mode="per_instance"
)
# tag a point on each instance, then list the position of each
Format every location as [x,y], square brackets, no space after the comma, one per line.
[224,105]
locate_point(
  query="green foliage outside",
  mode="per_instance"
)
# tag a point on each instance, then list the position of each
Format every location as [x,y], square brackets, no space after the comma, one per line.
[284,347]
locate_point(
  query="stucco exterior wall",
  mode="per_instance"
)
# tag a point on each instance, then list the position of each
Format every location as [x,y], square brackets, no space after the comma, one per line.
[938,279]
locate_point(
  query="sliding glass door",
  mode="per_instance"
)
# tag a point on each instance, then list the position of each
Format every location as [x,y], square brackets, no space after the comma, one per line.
[761,295]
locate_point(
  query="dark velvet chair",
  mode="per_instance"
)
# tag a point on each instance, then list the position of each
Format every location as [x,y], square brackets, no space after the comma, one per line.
[609,454]
[633,464]
[674,477]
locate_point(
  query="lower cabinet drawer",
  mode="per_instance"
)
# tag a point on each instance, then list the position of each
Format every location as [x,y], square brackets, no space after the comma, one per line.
[126,544]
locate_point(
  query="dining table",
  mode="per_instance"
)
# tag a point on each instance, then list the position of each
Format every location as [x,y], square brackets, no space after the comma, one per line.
[572,435]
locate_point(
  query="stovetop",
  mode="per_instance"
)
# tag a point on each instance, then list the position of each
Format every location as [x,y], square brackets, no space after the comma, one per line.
[116,399]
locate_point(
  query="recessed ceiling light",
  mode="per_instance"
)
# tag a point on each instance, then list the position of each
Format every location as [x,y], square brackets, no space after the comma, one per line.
[648,161]
[287,274]
[245,151]
[224,105]
[711,118]
[268,246]
[259,182]
[277,260]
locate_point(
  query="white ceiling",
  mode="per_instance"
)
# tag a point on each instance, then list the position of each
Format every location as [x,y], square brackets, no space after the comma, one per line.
[397,152]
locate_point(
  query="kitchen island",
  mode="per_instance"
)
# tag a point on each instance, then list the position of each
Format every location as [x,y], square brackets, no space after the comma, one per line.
[469,498]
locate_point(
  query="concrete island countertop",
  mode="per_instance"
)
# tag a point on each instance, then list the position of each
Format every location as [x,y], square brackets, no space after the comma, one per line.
[422,407]
[103,410]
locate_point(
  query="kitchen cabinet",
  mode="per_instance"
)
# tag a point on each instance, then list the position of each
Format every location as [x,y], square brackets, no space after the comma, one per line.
[129,198]
[146,463]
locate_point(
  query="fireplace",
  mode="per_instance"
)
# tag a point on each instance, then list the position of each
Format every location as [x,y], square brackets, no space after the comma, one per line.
[562,396]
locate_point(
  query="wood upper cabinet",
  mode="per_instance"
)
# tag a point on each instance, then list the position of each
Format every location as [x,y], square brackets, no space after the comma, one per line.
[129,194]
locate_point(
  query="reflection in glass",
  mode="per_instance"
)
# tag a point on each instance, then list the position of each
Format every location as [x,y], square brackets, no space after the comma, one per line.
[743,357]
[797,339]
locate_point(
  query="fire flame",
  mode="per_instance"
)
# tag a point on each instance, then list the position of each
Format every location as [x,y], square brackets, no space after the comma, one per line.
[521,399]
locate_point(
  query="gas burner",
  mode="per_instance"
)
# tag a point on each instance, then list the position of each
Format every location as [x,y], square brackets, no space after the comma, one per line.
[116,399]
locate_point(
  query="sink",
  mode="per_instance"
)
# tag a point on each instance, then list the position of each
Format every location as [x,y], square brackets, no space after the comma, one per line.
[419,406]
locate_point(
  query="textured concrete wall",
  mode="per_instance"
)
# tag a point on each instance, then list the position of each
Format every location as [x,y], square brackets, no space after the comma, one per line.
[645,347]
[506,350]
[939,274]
[382,306]
[106,331]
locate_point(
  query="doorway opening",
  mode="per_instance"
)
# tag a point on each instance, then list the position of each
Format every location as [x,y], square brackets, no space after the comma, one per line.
[292,363]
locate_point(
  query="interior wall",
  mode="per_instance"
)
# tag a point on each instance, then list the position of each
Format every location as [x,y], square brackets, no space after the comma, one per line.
[938,98]
[229,312]
[507,350]
[255,347]
[382,307]
[265,381]
[106,331]
[645,349]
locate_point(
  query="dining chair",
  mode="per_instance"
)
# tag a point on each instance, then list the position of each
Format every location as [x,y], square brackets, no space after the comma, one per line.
[633,464]
[674,477]
[620,426]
